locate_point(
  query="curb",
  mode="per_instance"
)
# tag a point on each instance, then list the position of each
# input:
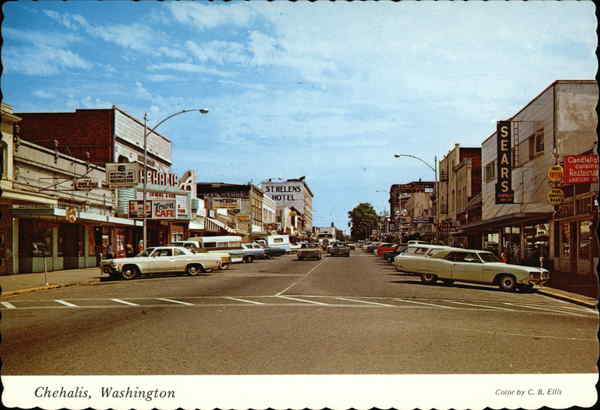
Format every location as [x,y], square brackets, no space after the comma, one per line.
[51,286]
[568,299]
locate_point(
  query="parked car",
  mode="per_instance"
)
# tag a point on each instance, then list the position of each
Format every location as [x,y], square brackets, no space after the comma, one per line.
[372,246]
[261,252]
[226,259]
[418,251]
[308,252]
[415,242]
[476,266]
[384,248]
[390,255]
[339,249]
[161,259]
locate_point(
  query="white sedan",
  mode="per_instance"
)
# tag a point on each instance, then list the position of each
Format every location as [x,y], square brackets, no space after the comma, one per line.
[161,259]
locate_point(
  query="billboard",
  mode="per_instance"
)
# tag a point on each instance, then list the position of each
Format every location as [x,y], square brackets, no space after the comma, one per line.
[504,192]
[228,203]
[122,175]
[580,169]
[136,209]
[164,209]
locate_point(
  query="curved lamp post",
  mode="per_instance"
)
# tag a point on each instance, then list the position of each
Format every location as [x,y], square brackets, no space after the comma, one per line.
[146,133]
[434,169]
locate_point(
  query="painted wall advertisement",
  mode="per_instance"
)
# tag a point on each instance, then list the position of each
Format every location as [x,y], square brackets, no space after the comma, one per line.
[164,209]
[580,169]
[181,205]
[286,194]
[504,192]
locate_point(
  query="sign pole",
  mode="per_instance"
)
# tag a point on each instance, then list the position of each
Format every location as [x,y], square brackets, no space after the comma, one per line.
[144,242]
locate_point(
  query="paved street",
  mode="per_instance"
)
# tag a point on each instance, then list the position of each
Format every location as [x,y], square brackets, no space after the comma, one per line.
[282,316]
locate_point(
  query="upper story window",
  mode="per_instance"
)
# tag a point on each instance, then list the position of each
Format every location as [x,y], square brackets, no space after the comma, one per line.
[490,171]
[539,141]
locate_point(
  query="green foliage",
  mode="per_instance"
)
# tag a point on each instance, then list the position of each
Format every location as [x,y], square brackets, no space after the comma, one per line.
[363,219]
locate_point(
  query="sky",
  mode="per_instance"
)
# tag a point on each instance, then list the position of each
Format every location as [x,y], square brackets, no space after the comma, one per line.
[325,90]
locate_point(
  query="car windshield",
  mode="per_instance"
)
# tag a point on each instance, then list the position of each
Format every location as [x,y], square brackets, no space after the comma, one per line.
[146,252]
[489,257]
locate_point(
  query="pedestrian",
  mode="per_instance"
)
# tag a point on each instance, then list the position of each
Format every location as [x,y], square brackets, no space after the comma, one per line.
[503,257]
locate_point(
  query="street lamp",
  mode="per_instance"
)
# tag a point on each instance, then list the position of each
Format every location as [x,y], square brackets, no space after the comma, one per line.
[434,169]
[146,132]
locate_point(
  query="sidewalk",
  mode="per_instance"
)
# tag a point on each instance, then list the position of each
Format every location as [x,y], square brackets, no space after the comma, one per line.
[29,282]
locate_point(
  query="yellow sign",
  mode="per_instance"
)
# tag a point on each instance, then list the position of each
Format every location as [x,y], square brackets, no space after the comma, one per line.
[555,173]
[556,196]
[243,218]
[71,214]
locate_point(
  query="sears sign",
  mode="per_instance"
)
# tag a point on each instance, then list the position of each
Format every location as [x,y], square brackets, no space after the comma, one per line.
[504,192]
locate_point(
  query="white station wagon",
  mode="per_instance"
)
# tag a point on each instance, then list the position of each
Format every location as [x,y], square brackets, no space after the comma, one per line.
[476,266]
[161,259]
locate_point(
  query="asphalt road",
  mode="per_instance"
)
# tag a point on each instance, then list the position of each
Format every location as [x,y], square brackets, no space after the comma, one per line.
[339,315]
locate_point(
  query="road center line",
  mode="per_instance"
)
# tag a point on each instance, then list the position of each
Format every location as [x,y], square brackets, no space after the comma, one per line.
[243,300]
[62,302]
[423,303]
[303,300]
[302,278]
[364,301]
[8,305]
[484,306]
[124,302]
[175,301]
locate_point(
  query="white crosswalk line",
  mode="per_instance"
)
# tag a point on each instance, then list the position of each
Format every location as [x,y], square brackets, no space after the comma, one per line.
[545,309]
[175,301]
[423,303]
[244,300]
[124,302]
[364,301]
[8,305]
[484,306]
[303,300]
[62,302]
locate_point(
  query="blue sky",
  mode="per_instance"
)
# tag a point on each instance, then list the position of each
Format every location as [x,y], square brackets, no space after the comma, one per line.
[326,90]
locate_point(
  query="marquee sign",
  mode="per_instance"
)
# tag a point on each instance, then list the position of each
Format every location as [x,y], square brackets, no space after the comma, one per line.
[121,175]
[504,192]
[86,184]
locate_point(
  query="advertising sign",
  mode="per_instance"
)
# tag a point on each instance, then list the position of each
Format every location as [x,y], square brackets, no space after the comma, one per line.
[228,203]
[120,175]
[504,192]
[136,209]
[71,214]
[182,207]
[243,218]
[164,209]
[85,184]
[555,173]
[556,196]
[580,169]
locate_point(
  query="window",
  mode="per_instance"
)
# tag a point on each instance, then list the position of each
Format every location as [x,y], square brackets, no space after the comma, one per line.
[178,252]
[490,171]
[539,141]
[164,252]
[585,239]
[565,239]
[209,245]
[531,146]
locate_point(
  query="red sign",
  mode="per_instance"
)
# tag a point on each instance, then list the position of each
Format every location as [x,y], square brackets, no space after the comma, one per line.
[580,169]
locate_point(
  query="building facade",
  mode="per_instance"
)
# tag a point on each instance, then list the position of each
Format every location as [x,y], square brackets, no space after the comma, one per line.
[292,193]
[411,215]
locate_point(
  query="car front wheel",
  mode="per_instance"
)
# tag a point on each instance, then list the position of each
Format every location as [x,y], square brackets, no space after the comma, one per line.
[129,272]
[428,278]
[507,282]
[248,259]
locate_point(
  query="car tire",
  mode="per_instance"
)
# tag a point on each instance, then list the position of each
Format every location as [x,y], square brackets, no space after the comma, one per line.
[507,283]
[428,278]
[194,269]
[129,272]
[248,259]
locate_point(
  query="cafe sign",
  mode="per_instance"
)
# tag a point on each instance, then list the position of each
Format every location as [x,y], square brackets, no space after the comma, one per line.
[164,209]
[504,192]
[580,169]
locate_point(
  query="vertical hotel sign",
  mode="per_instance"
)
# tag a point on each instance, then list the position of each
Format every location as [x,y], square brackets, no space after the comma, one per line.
[504,192]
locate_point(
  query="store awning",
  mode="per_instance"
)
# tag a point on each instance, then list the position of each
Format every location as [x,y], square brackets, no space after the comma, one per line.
[81,216]
[505,220]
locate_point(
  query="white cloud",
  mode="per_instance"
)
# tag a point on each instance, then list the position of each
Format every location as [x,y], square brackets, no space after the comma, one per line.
[46,38]
[162,78]
[190,68]
[43,60]
[219,52]
[43,94]
[210,16]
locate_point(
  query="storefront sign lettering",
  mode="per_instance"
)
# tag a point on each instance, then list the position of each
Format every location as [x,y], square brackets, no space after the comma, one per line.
[504,192]
[122,174]
[159,178]
[556,196]
[86,184]
[164,209]
[580,169]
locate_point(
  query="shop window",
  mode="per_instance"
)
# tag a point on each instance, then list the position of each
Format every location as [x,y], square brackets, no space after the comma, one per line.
[176,236]
[565,239]
[35,238]
[531,140]
[585,240]
[536,244]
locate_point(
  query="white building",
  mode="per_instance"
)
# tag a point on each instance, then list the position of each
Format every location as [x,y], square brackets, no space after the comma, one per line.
[291,193]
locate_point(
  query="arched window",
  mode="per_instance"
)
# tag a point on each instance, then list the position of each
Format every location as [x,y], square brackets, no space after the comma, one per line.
[122,159]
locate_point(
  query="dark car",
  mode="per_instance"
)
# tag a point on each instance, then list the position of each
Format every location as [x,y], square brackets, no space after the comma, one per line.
[390,255]
[274,251]
[339,249]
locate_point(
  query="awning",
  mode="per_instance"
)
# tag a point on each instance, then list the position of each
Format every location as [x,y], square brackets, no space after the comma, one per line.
[81,216]
[505,220]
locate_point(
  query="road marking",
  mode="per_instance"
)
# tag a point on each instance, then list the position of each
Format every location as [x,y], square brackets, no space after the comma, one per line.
[484,306]
[62,302]
[175,301]
[302,278]
[124,302]
[548,310]
[8,305]
[244,300]
[364,301]
[303,300]
[423,303]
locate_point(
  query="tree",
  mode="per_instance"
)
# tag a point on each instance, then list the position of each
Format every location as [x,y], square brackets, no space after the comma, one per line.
[363,219]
